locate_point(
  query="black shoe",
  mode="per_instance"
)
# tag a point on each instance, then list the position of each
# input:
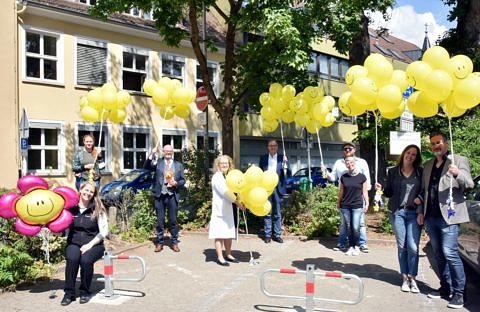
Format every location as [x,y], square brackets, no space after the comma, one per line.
[278,239]
[233,260]
[84,299]
[67,300]
[225,263]
[267,240]
[439,293]
[456,302]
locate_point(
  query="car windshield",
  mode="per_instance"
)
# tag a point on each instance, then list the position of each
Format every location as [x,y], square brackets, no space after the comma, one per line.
[129,177]
[303,172]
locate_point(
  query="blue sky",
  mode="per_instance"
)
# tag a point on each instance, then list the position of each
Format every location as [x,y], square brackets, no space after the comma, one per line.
[408,19]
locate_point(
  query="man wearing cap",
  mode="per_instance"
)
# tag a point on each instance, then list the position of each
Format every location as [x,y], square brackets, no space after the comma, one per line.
[338,170]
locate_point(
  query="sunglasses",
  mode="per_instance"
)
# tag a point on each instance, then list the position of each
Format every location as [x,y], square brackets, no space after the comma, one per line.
[348,149]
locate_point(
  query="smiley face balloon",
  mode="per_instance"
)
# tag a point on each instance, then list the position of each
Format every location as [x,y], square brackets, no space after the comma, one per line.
[37,206]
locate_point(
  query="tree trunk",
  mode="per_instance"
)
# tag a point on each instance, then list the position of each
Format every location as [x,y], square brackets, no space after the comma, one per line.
[469,24]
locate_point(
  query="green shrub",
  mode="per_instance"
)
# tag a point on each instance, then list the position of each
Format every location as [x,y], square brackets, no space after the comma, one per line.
[143,218]
[385,226]
[312,213]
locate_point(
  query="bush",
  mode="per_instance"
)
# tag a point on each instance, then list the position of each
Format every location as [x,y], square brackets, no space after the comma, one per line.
[312,213]
[142,222]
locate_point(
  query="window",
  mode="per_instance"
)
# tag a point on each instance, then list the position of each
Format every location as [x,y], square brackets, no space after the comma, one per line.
[212,141]
[312,66]
[89,2]
[327,66]
[44,153]
[43,56]
[91,62]
[135,66]
[173,66]
[213,75]
[104,142]
[136,143]
[176,139]
[134,11]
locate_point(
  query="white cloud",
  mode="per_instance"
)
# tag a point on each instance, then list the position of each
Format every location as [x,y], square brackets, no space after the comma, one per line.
[406,24]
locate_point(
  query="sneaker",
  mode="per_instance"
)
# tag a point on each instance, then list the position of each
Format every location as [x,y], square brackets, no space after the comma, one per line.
[350,251]
[456,302]
[356,251]
[406,286]
[339,248]
[364,249]
[413,287]
[439,293]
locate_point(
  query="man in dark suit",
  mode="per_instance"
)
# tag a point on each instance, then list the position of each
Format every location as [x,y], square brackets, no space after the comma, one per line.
[169,180]
[445,179]
[278,162]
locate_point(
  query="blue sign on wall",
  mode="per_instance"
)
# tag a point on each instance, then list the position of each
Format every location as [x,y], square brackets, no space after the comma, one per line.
[24,143]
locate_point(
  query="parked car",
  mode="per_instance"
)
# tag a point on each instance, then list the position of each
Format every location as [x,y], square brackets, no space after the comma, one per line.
[469,233]
[293,183]
[138,179]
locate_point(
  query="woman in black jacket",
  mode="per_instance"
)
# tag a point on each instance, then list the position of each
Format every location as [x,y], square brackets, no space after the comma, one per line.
[85,242]
[403,187]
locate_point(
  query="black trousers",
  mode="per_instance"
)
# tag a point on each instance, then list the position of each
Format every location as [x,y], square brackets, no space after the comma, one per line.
[75,260]
[166,203]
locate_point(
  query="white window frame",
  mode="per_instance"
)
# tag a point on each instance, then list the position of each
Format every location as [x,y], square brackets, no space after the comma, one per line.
[174,58]
[148,147]
[88,2]
[49,124]
[107,144]
[211,134]
[175,132]
[134,11]
[210,65]
[137,51]
[94,43]
[59,58]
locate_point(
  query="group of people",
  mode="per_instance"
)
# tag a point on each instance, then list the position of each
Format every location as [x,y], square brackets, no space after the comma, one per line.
[431,195]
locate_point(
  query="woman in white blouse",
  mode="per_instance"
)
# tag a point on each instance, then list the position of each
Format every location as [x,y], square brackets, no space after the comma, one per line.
[222,225]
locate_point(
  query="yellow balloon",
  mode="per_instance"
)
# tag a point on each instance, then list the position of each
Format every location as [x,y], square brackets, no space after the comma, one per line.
[421,105]
[182,111]
[328,120]
[83,101]
[348,106]
[301,119]
[395,113]
[379,68]
[109,87]
[437,57]
[117,115]
[288,92]
[354,72]
[460,66]
[123,98]
[176,84]
[160,96]
[270,179]
[276,89]
[288,116]
[270,125]
[389,97]
[364,91]
[109,99]
[257,196]
[166,112]
[253,176]
[451,109]
[329,101]
[312,126]
[278,105]
[166,83]
[95,99]
[89,114]
[264,98]
[438,85]
[181,96]
[313,94]
[319,110]
[261,210]
[235,180]
[149,85]
[298,104]
[268,113]
[467,92]
[416,73]
[399,78]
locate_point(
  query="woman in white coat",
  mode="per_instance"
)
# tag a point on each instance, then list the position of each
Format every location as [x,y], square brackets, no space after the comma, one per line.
[222,225]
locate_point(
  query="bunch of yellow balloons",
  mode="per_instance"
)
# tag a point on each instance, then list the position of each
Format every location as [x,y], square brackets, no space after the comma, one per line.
[103,103]
[374,86]
[309,108]
[442,81]
[253,188]
[170,97]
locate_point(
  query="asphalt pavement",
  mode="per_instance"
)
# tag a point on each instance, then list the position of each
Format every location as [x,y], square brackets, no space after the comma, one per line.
[191,280]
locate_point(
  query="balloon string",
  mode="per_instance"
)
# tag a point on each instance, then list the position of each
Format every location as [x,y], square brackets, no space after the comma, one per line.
[161,125]
[248,240]
[376,145]
[451,176]
[283,142]
[319,148]
[99,137]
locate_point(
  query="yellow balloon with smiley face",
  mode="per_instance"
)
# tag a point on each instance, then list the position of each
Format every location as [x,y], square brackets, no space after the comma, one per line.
[39,207]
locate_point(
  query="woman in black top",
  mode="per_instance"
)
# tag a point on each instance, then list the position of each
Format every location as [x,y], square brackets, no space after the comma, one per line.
[403,187]
[352,200]
[85,242]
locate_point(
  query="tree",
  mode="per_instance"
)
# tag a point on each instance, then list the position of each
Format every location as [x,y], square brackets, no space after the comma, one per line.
[282,32]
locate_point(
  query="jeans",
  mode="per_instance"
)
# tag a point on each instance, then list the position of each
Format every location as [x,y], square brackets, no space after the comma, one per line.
[407,233]
[274,216]
[444,240]
[352,224]
[342,236]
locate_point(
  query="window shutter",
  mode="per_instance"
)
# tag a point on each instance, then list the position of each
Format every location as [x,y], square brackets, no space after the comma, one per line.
[91,65]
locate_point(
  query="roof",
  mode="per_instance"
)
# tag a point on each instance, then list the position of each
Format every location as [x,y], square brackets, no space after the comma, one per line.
[384,43]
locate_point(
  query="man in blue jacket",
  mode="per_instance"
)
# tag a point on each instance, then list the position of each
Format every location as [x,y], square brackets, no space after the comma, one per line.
[278,162]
